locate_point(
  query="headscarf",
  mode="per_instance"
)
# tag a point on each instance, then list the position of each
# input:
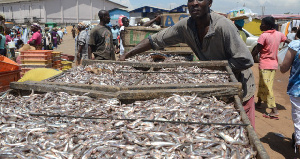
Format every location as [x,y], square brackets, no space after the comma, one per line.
[36,25]
[240,22]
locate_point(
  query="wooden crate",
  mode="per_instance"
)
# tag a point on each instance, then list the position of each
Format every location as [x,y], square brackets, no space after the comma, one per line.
[252,136]
[134,35]
[126,92]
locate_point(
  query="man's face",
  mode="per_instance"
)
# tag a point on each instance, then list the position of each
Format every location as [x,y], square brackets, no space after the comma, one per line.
[199,8]
[106,18]
[126,22]
[263,26]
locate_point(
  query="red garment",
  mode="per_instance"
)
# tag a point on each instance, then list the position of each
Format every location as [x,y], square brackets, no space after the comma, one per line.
[249,108]
[37,36]
[8,39]
[270,40]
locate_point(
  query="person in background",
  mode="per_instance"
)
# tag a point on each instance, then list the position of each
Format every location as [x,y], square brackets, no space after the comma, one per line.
[101,39]
[125,22]
[211,36]
[240,24]
[36,39]
[25,34]
[61,34]
[2,45]
[156,22]
[292,61]
[73,31]
[82,44]
[11,51]
[115,33]
[47,39]
[268,44]
[65,31]
[54,37]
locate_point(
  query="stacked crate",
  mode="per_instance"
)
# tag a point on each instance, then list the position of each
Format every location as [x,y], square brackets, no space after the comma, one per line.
[9,72]
[32,59]
[66,65]
[56,60]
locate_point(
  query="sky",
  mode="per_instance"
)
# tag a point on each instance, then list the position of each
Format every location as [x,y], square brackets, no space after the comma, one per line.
[271,6]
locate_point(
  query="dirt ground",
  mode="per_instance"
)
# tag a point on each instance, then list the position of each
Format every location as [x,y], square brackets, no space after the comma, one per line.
[275,135]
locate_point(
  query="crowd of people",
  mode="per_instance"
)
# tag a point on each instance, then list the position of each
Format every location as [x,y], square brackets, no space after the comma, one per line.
[39,38]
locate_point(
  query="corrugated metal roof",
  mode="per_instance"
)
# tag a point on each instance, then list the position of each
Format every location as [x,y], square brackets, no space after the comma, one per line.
[12,1]
[16,1]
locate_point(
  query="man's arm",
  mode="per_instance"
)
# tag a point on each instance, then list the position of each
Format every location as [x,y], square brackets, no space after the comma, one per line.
[143,46]
[257,49]
[151,21]
[288,60]
[90,51]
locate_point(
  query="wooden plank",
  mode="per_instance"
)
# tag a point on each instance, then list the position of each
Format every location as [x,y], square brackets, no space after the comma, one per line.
[237,85]
[95,87]
[54,88]
[253,138]
[205,64]
[152,94]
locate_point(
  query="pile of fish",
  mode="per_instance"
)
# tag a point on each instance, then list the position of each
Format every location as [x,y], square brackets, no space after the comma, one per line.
[25,136]
[114,74]
[165,59]
[183,75]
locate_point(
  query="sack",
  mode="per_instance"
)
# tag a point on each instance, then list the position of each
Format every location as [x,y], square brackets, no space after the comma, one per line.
[11,44]
[281,54]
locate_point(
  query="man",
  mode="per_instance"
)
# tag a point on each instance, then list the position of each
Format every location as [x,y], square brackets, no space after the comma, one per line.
[101,40]
[240,24]
[82,44]
[156,22]
[115,33]
[73,31]
[61,34]
[36,39]
[211,37]
[2,45]
[125,22]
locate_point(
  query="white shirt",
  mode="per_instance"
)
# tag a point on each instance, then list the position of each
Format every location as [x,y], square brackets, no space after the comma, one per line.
[122,50]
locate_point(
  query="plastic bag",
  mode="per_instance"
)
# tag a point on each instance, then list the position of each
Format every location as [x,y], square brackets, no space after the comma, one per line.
[281,54]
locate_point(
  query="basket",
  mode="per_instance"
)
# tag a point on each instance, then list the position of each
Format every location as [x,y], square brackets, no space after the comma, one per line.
[56,58]
[36,52]
[7,77]
[7,64]
[36,62]
[56,62]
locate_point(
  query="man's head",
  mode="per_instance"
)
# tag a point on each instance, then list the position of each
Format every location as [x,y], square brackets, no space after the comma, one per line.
[114,27]
[81,26]
[294,29]
[199,8]
[125,21]
[267,23]
[47,28]
[35,27]
[104,16]
[298,33]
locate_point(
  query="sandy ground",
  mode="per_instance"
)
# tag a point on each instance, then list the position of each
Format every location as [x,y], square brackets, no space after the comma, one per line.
[267,129]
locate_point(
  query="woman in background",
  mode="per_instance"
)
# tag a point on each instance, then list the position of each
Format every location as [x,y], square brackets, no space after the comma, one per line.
[292,61]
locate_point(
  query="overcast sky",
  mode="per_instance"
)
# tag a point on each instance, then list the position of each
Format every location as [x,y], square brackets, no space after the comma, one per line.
[271,6]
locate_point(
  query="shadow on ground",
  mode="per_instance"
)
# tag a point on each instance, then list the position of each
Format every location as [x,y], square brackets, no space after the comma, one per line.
[264,108]
[284,148]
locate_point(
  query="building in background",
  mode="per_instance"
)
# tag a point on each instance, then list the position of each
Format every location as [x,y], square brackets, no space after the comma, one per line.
[180,9]
[59,11]
[146,11]
[116,13]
